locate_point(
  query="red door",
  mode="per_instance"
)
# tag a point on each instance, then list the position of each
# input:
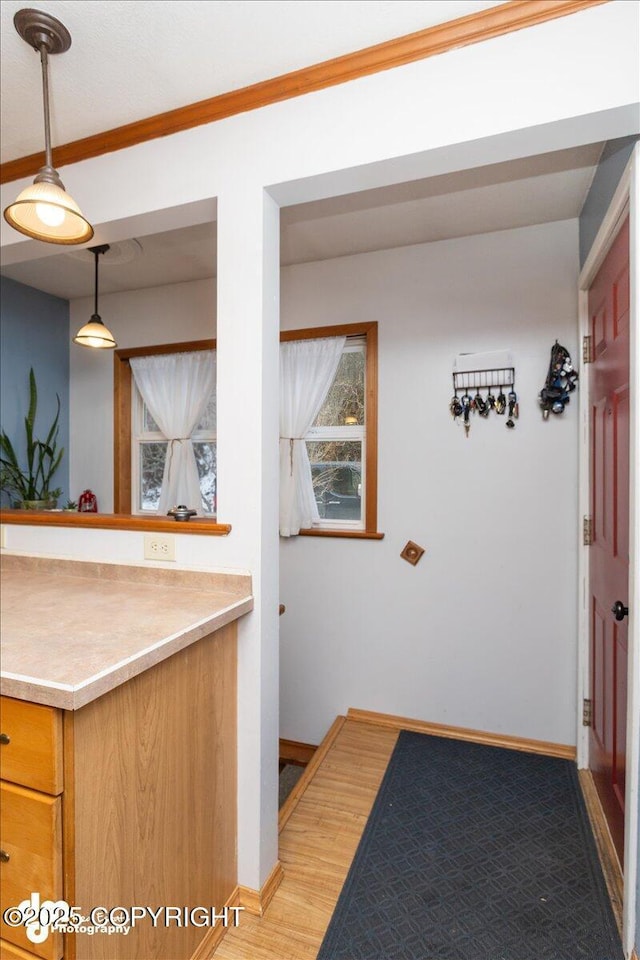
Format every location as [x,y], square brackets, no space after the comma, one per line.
[609,559]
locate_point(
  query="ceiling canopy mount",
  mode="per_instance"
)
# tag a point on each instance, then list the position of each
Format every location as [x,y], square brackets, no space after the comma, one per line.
[40,29]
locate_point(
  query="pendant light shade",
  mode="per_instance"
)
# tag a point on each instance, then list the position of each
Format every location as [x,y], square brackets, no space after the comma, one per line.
[95,334]
[351,415]
[44,210]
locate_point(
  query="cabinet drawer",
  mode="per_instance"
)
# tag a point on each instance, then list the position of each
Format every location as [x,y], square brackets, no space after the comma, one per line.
[33,754]
[31,835]
[9,952]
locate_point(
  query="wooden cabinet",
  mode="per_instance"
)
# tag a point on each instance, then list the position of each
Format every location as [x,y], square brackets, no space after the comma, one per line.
[128,801]
[33,754]
[9,951]
[30,819]
[32,838]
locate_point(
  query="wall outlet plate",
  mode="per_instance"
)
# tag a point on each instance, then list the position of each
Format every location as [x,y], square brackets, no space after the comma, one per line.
[159,546]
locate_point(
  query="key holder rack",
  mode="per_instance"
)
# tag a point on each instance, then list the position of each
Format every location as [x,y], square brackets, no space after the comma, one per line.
[468,399]
[483,379]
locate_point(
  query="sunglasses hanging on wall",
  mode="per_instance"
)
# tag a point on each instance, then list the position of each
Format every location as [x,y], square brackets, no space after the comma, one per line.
[561,380]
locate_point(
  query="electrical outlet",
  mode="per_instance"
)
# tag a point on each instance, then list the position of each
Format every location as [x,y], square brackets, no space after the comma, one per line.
[159,547]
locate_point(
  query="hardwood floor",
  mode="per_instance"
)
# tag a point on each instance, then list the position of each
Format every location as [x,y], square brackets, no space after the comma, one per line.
[604,842]
[320,826]
[318,838]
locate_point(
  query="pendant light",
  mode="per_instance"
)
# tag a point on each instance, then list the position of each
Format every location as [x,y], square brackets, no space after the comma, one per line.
[351,414]
[95,334]
[45,211]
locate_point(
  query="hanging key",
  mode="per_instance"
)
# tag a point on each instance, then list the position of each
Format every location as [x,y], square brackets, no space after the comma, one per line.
[466,411]
[480,405]
[501,403]
[455,407]
[514,409]
[490,402]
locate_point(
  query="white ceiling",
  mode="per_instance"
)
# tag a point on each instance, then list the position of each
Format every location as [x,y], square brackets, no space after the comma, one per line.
[501,196]
[131,59]
[129,56]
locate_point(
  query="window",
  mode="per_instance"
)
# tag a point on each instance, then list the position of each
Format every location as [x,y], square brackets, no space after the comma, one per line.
[336,444]
[342,443]
[139,446]
[149,451]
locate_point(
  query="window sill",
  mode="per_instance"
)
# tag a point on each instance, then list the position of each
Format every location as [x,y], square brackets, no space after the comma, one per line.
[346,534]
[113,521]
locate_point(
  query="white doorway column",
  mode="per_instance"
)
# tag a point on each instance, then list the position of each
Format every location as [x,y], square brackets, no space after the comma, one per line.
[248,371]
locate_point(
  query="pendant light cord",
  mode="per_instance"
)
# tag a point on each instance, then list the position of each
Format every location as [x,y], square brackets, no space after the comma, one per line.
[95,308]
[45,95]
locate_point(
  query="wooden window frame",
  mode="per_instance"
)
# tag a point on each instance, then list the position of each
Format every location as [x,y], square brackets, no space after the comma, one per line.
[368,330]
[122,399]
[122,518]
[122,394]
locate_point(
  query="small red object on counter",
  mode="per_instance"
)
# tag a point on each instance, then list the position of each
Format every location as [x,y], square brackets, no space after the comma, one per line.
[87,502]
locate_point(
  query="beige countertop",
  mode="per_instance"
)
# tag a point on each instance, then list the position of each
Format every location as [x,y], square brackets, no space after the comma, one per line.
[71,630]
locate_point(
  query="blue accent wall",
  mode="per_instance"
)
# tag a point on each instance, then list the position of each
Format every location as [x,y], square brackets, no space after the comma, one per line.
[34,332]
[613,161]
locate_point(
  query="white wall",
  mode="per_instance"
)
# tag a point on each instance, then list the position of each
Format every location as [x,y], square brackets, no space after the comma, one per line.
[177,312]
[484,628]
[482,632]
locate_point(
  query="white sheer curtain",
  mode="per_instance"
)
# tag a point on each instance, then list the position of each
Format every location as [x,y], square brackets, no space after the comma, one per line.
[307,370]
[176,388]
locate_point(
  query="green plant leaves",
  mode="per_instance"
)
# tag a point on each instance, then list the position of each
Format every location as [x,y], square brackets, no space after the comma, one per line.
[43,456]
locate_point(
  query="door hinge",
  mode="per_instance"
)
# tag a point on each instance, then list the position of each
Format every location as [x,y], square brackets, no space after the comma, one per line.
[587,349]
[587,713]
[587,531]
